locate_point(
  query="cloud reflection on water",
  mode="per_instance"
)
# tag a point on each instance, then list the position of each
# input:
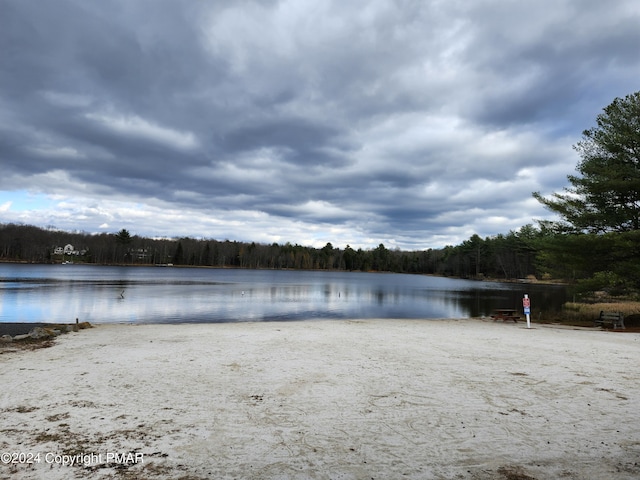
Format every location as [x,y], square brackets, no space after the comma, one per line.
[45,293]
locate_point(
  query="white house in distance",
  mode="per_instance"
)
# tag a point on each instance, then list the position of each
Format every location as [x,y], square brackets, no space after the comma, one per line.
[68,250]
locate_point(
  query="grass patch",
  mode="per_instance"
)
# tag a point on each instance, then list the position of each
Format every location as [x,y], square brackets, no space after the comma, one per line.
[591,311]
[594,309]
[584,314]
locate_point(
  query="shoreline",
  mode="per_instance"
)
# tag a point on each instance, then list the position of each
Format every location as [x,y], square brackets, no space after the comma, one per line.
[457,398]
[21,328]
[18,328]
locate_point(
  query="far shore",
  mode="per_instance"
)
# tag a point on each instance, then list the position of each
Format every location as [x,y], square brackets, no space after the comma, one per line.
[233,267]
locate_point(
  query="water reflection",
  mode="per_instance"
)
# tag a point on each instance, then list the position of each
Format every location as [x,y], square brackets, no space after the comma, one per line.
[36,293]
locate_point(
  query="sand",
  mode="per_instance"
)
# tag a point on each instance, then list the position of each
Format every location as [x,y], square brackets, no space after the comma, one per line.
[381,399]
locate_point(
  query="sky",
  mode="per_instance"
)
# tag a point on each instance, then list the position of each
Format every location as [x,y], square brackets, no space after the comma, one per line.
[412,123]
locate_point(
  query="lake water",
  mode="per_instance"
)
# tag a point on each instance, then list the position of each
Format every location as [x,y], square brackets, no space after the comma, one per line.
[99,294]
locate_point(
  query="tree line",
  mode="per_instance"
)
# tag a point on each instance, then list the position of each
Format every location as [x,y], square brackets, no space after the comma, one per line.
[504,256]
[593,262]
[595,244]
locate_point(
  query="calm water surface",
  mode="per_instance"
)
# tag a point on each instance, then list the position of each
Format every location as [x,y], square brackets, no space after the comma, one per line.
[62,293]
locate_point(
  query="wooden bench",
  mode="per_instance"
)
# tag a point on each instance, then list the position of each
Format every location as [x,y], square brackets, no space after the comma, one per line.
[505,314]
[614,318]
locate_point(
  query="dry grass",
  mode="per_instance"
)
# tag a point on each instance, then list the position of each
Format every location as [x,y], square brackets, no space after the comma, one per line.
[45,342]
[26,344]
[592,310]
[584,314]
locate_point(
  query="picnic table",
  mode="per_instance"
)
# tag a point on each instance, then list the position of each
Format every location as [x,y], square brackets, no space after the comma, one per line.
[505,314]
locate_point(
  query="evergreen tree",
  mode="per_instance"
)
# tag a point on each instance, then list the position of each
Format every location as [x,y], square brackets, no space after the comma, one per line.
[178,256]
[123,237]
[605,197]
[601,211]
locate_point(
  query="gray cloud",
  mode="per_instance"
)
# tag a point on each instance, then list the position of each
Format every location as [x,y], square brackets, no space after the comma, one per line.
[410,123]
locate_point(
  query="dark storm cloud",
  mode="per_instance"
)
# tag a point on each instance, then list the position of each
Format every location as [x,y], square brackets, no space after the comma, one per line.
[412,123]
[549,60]
[300,140]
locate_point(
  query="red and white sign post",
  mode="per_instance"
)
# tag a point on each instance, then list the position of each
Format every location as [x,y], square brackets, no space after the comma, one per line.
[526,303]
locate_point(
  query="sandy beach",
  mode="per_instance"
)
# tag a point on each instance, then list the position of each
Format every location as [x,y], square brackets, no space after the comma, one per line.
[381,399]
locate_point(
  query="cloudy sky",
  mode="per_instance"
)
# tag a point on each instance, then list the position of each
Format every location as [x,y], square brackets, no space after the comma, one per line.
[410,123]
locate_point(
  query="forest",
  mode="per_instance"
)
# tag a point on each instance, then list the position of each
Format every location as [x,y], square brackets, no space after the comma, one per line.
[503,257]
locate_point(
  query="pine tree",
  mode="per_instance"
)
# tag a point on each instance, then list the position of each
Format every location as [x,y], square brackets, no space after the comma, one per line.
[605,197]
